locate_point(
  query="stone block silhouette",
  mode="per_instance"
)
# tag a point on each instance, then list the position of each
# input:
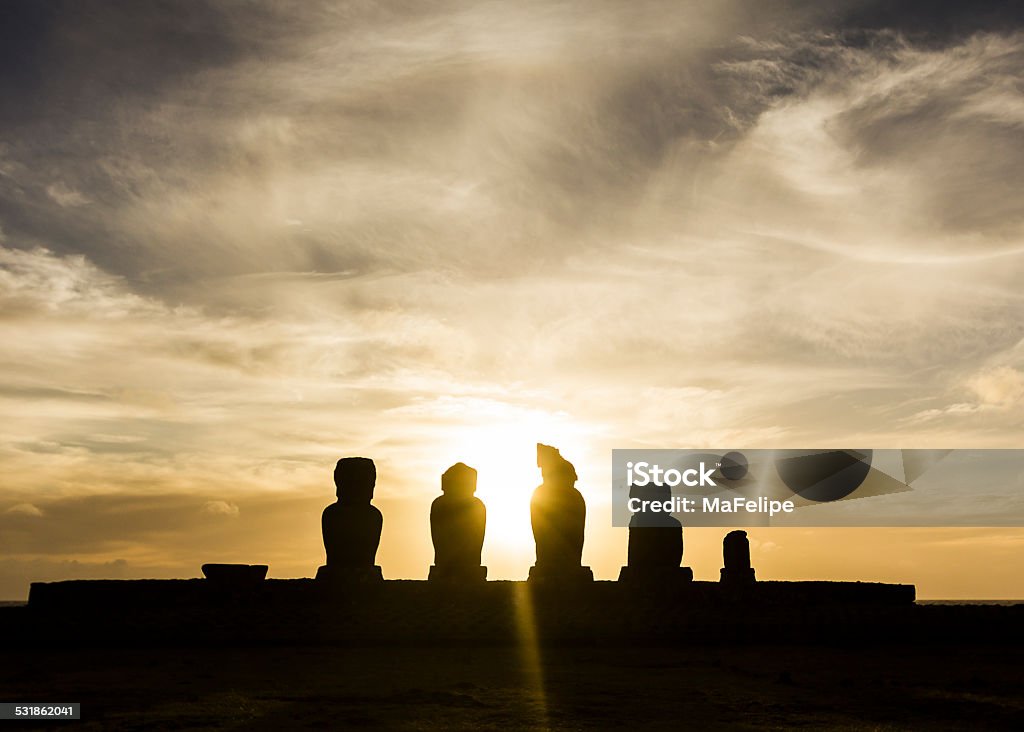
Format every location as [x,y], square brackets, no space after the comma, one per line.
[736,559]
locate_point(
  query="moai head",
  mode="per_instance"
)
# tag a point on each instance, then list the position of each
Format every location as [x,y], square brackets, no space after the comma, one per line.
[554,468]
[355,478]
[647,516]
[736,551]
[459,481]
[651,492]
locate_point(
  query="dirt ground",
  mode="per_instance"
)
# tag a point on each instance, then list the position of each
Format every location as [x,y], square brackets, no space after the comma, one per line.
[753,687]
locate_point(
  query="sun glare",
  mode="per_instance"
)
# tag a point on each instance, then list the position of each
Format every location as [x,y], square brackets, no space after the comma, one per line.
[508,473]
[505,456]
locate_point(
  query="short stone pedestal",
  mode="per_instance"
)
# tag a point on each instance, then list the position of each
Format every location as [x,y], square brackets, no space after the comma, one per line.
[561,575]
[656,576]
[344,576]
[738,576]
[457,575]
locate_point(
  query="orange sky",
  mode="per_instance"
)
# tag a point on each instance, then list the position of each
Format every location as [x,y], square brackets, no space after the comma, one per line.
[238,243]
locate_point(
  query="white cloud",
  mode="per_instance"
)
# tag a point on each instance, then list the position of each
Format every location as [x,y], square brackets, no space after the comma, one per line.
[24,509]
[221,508]
[66,197]
[1000,386]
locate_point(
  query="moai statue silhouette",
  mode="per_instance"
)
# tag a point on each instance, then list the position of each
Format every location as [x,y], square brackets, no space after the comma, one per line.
[558,514]
[655,544]
[458,520]
[352,525]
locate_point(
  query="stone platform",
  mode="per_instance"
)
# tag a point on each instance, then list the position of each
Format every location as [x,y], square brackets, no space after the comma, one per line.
[79,595]
[304,611]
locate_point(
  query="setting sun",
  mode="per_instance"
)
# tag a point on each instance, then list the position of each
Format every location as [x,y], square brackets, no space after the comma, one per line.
[503,449]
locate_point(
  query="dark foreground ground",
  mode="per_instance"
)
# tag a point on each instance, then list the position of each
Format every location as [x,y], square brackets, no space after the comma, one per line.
[763,687]
[289,655]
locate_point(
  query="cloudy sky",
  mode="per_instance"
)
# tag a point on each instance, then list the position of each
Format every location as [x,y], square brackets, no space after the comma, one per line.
[240,240]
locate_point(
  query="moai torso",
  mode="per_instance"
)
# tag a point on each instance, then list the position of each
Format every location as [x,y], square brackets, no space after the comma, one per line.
[655,546]
[351,534]
[558,514]
[655,539]
[457,525]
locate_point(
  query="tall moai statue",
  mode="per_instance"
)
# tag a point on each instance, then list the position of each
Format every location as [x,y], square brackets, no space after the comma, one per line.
[558,514]
[736,559]
[655,543]
[458,520]
[352,525]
